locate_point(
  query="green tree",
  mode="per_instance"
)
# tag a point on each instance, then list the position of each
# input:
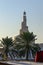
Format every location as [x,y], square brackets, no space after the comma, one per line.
[7,42]
[25,43]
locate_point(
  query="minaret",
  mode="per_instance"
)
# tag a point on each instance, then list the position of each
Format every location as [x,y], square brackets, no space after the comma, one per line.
[24,27]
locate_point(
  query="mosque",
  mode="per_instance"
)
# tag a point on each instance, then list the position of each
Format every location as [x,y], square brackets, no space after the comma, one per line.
[24,28]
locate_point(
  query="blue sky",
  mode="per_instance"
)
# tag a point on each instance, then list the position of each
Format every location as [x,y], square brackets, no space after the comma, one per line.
[11,12]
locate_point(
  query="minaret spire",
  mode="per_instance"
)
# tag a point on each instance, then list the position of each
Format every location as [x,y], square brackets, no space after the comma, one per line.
[24,27]
[24,16]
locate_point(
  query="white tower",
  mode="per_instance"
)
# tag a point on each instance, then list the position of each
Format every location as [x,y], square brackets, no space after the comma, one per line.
[24,27]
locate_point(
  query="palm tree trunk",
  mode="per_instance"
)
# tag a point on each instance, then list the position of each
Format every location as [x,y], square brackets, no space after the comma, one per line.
[26,54]
[27,51]
[10,55]
[5,56]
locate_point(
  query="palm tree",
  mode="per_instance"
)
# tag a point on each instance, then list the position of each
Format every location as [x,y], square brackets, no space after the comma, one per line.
[24,43]
[7,42]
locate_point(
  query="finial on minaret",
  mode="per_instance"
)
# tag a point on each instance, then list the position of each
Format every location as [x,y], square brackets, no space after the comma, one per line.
[24,13]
